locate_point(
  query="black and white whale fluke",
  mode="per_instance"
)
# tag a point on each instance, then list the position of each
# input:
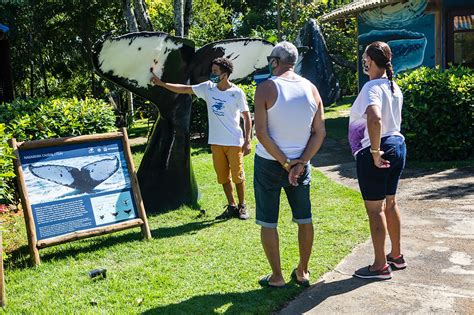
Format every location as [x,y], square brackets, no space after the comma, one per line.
[165,174]
[84,179]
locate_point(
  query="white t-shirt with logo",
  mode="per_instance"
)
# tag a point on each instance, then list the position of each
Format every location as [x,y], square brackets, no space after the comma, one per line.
[375,92]
[223,109]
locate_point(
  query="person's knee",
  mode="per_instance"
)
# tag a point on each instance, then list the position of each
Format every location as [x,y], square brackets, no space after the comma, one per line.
[390,204]
[305,226]
[374,207]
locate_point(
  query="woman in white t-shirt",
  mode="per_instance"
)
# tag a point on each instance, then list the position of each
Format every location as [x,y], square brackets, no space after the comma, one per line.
[380,151]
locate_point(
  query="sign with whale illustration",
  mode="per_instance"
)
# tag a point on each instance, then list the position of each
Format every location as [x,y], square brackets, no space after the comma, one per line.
[78,187]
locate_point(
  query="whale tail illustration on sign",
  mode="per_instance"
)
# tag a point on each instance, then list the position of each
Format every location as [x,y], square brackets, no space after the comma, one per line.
[84,179]
[165,174]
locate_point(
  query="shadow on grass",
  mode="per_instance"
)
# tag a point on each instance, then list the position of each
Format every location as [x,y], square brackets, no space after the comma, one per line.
[336,128]
[20,259]
[200,146]
[260,301]
[135,132]
[139,148]
[188,228]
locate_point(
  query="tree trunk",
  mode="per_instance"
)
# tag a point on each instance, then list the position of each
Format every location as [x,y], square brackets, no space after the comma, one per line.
[32,66]
[279,19]
[188,11]
[43,74]
[132,27]
[294,8]
[178,10]
[129,16]
[339,60]
[142,16]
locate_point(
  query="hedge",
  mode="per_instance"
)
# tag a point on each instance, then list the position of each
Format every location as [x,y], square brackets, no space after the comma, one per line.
[6,168]
[35,119]
[437,113]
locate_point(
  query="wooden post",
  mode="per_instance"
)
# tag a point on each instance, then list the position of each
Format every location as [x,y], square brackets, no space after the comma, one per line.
[89,233]
[3,298]
[27,213]
[136,189]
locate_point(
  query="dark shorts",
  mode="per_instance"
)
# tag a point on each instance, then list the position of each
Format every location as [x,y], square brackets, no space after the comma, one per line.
[377,183]
[269,179]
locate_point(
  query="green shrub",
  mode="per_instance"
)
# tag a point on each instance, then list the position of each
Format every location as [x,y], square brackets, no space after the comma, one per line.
[34,119]
[199,124]
[6,168]
[438,112]
[249,90]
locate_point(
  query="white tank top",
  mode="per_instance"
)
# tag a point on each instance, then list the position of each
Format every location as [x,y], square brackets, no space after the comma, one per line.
[290,119]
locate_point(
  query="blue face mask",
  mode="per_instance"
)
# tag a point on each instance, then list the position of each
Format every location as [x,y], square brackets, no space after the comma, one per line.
[270,69]
[215,78]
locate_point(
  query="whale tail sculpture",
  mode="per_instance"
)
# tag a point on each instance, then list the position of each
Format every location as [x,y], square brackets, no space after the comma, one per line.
[315,62]
[165,174]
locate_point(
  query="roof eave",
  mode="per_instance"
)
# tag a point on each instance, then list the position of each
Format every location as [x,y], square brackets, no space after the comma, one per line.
[355,7]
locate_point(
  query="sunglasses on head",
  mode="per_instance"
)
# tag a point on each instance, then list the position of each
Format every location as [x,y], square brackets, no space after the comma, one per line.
[269,58]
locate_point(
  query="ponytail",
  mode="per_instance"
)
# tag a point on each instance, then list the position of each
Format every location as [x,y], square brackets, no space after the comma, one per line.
[389,70]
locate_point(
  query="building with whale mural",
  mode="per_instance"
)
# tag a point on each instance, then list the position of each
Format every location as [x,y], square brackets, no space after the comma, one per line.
[419,32]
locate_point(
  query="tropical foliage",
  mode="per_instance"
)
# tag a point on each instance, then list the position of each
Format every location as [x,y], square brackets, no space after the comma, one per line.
[51,41]
[438,112]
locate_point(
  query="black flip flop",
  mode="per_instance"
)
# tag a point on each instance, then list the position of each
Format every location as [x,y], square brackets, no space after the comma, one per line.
[303,283]
[265,282]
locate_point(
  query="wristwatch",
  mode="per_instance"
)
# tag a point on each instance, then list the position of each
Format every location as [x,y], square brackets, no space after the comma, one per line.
[286,164]
[374,151]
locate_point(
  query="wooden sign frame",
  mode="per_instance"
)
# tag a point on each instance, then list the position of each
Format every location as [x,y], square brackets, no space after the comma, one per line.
[3,296]
[109,226]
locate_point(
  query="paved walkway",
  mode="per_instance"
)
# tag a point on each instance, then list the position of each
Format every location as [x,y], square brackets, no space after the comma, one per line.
[437,241]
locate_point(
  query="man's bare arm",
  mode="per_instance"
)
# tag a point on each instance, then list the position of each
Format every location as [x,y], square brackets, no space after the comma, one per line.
[318,133]
[173,87]
[318,130]
[248,132]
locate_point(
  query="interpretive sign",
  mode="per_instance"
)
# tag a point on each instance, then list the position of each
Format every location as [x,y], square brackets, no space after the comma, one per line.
[77,187]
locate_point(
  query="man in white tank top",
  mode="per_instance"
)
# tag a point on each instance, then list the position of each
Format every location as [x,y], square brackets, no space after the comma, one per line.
[289,121]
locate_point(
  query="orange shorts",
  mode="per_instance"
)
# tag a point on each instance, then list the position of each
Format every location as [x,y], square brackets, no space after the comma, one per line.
[227,160]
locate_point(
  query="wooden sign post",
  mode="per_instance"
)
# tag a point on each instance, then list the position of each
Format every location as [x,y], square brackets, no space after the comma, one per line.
[3,298]
[77,187]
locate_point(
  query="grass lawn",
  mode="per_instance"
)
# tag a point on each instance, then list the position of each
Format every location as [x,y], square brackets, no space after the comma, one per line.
[337,119]
[193,264]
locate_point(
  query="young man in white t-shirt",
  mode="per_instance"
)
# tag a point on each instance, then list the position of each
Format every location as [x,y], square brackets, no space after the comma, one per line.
[225,105]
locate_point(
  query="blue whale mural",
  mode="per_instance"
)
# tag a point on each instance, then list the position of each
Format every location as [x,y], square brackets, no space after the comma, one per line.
[405,27]
[397,15]
[408,48]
